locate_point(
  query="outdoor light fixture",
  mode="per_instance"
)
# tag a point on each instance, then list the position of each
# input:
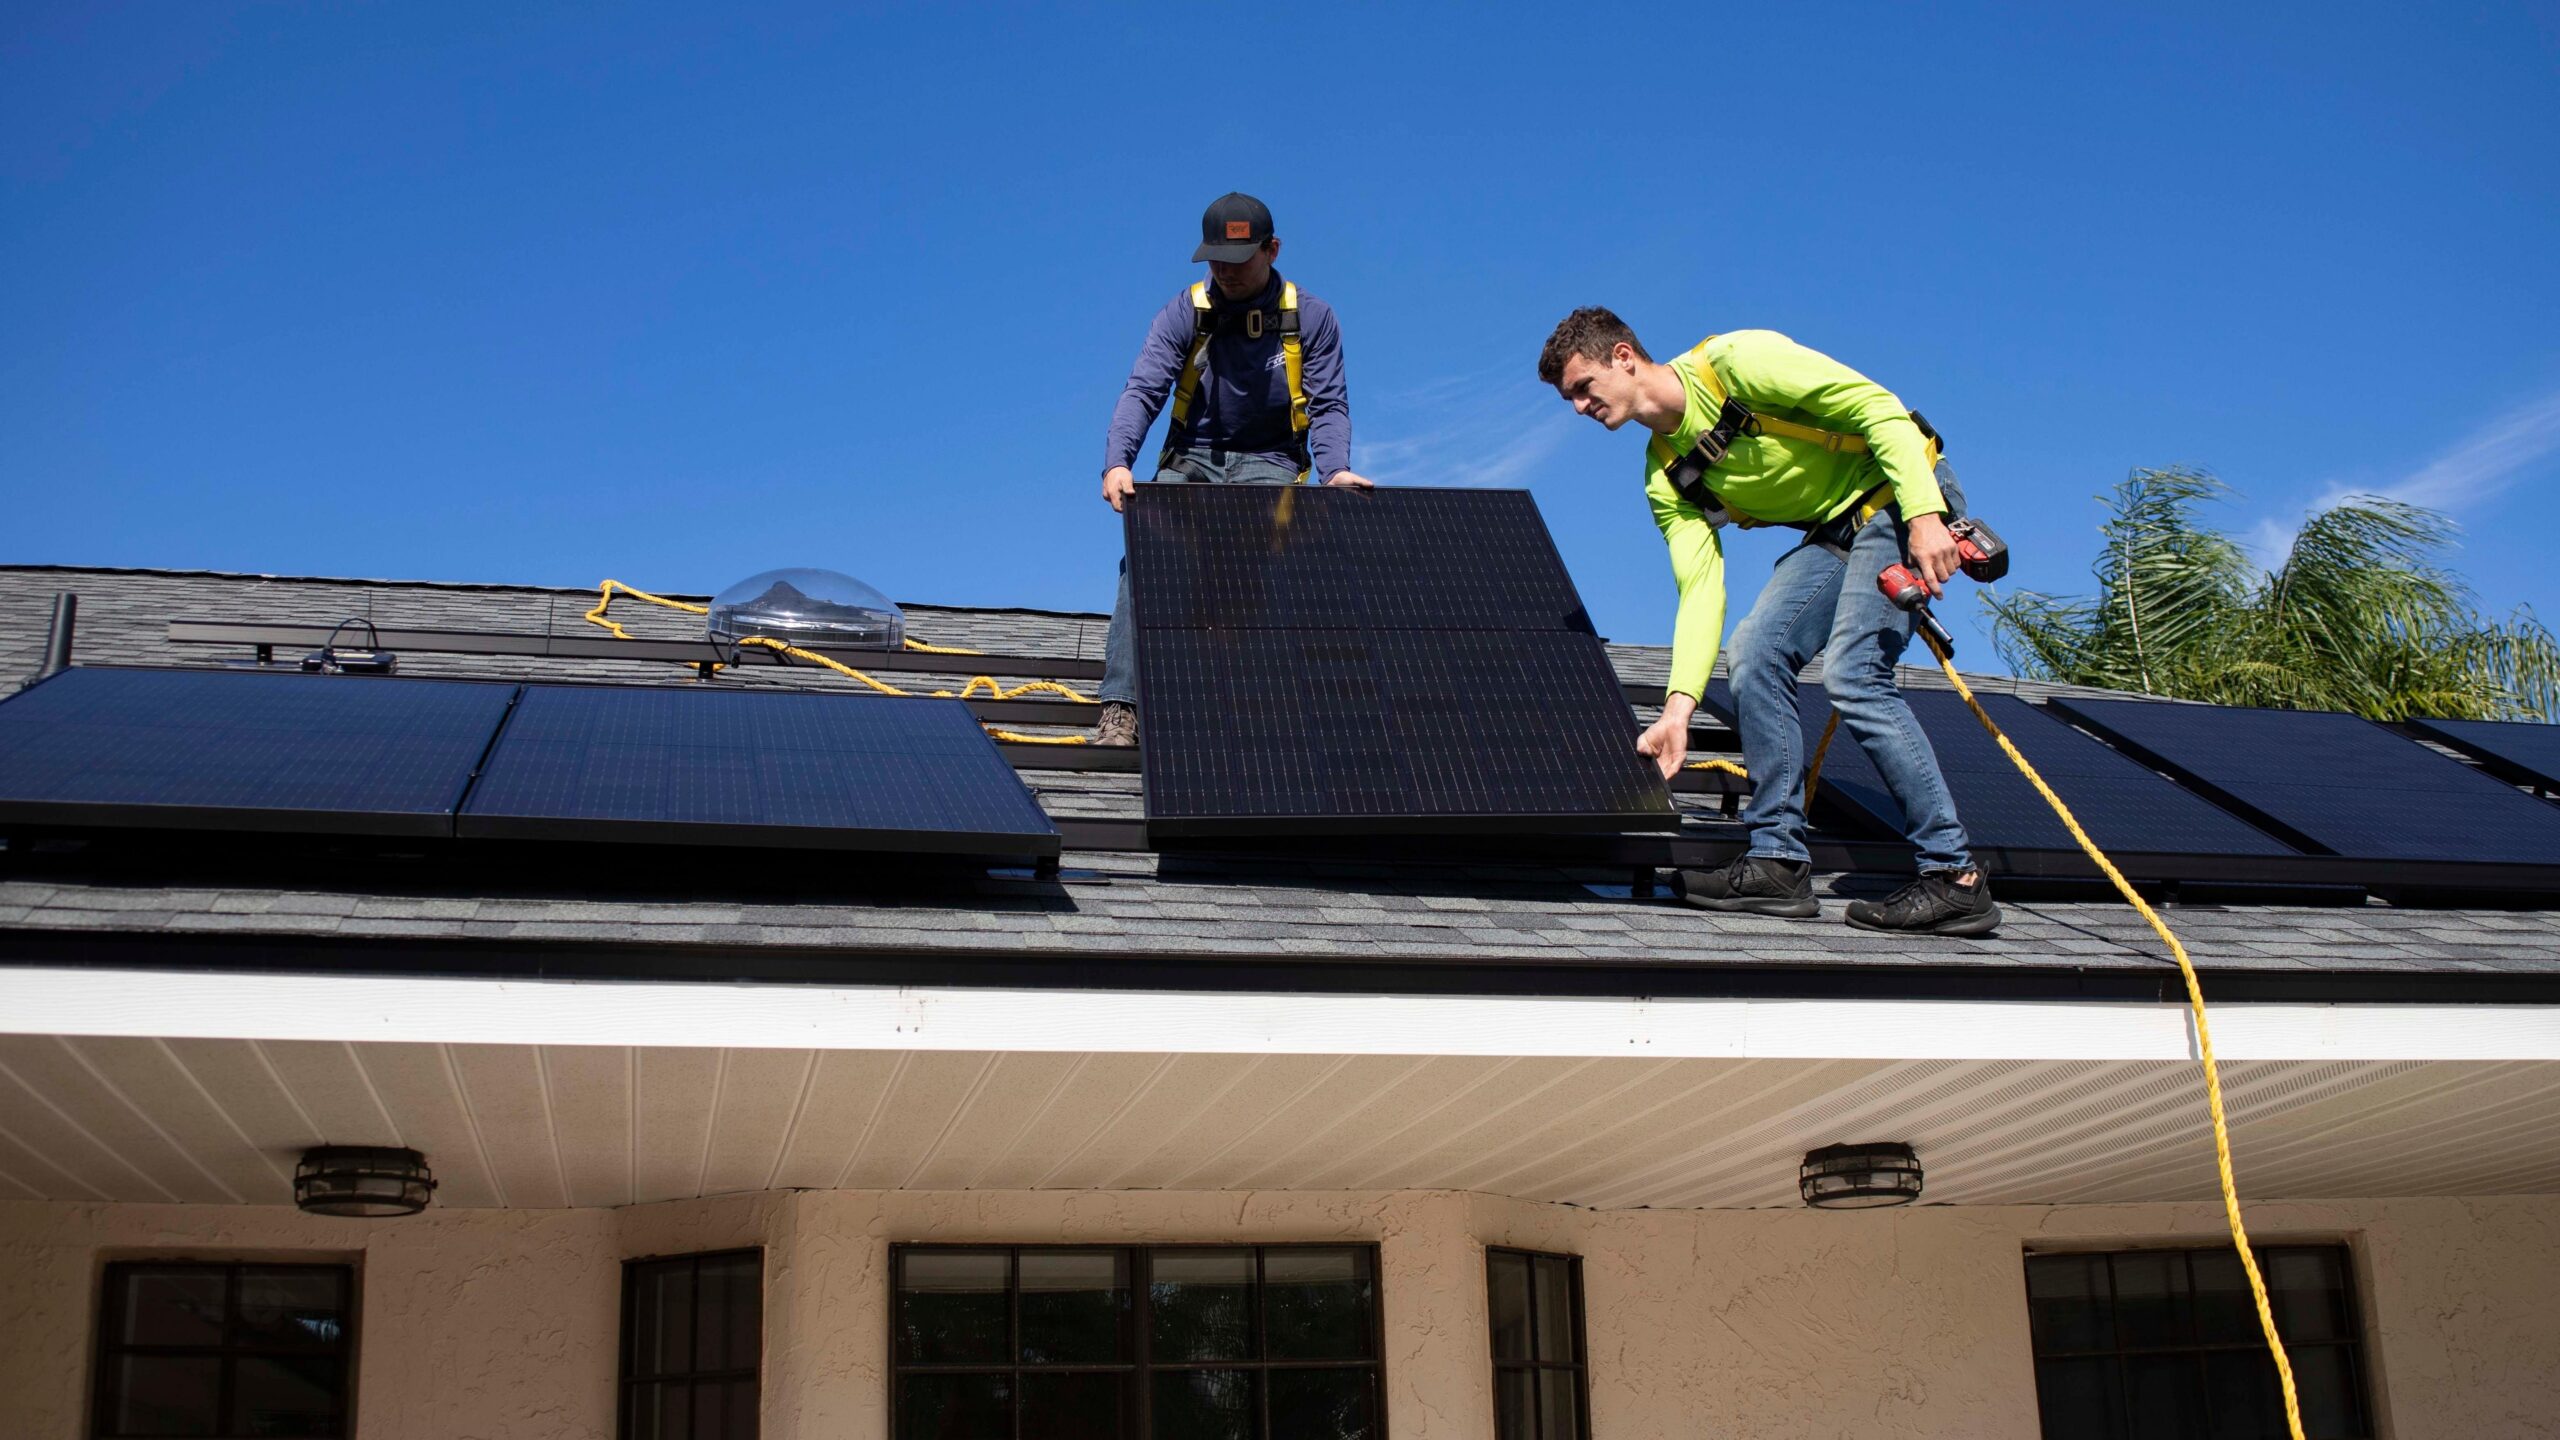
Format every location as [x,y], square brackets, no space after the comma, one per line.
[362,1180]
[1860,1177]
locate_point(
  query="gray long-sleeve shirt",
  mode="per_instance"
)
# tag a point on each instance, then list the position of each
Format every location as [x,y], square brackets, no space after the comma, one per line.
[1243,401]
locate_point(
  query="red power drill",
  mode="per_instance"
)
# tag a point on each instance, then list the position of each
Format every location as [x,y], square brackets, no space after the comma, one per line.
[1980,553]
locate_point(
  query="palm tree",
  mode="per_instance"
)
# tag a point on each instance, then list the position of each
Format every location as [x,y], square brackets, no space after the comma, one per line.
[2359,616]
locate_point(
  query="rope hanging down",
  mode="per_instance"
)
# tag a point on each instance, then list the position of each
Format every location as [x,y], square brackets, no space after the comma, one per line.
[989,684]
[2186,970]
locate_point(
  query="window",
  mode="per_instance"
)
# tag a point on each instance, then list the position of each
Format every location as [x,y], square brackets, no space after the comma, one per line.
[224,1350]
[1540,1389]
[2165,1343]
[692,1338]
[1243,1342]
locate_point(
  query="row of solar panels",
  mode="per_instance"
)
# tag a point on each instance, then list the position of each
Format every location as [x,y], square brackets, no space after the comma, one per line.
[356,755]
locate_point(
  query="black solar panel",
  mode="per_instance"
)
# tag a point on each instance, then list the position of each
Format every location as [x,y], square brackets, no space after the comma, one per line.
[728,767]
[247,750]
[1328,661]
[2336,783]
[2523,753]
[2122,805]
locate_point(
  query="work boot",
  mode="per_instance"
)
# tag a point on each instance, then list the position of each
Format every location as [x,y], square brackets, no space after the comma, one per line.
[1119,724]
[1753,884]
[1934,904]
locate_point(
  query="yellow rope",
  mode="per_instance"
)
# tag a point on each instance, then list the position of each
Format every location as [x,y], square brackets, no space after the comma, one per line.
[2204,1035]
[1726,766]
[1813,771]
[993,689]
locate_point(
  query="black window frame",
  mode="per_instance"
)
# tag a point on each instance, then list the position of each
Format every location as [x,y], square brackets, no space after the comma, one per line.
[626,1383]
[109,1349]
[1579,1365]
[2351,1342]
[1141,1366]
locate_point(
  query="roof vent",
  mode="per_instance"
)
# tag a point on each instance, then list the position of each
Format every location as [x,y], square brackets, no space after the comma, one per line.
[820,609]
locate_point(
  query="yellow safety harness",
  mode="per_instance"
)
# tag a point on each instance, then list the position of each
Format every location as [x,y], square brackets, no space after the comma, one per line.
[1734,421]
[2186,970]
[977,683]
[1205,324]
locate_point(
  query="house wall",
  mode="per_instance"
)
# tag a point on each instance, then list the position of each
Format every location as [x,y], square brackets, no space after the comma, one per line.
[495,1324]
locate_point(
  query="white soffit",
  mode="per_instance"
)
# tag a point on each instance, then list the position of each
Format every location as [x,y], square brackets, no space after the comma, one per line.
[809,1017]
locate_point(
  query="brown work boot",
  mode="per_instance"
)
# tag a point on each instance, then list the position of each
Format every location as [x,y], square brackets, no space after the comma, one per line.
[1119,724]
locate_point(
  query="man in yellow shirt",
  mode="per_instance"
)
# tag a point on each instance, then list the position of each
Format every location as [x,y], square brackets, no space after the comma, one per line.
[1754,429]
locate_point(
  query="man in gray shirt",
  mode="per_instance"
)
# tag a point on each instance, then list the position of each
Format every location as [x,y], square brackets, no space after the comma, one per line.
[1253,366]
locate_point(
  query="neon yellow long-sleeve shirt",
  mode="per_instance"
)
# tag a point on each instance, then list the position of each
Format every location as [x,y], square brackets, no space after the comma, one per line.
[1773,478]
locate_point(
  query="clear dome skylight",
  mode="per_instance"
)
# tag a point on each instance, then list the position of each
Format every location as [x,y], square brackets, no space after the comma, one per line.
[815,608]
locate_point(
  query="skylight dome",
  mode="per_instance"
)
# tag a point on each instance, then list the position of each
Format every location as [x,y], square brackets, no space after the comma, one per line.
[817,608]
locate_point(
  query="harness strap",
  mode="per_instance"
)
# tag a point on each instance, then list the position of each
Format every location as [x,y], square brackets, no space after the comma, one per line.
[1735,421]
[1204,325]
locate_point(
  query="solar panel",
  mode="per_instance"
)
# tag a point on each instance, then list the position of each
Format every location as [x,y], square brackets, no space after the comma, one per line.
[2335,783]
[1316,661]
[2525,754]
[243,750]
[764,768]
[2123,806]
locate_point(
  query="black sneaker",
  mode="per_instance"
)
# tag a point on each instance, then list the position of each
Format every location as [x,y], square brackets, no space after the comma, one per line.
[1754,884]
[1934,904]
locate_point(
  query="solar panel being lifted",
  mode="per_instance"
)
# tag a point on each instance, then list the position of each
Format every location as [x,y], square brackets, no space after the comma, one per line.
[243,750]
[760,768]
[2337,784]
[2124,807]
[2526,754]
[1315,661]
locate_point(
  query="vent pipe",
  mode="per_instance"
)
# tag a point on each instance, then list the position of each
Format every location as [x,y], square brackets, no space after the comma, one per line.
[57,641]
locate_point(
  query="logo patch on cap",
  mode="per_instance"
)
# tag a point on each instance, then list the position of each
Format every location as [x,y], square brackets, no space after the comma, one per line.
[1239,229]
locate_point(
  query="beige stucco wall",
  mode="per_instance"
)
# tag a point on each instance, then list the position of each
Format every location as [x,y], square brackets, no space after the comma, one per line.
[493,1325]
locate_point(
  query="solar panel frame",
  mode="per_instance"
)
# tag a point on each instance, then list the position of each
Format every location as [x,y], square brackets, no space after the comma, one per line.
[396,753]
[2125,807]
[770,769]
[1387,634]
[2438,811]
[2518,752]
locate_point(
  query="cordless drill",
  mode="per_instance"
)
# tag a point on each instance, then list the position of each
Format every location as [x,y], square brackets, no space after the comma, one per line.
[1980,553]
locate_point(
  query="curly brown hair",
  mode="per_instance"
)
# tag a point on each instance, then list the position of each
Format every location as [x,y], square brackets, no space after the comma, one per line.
[1590,332]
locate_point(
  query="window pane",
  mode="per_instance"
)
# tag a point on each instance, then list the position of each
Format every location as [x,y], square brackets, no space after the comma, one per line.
[2226,1313]
[1074,1307]
[168,1395]
[1316,1304]
[1510,1306]
[662,1319]
[728,1307]
[662,1411]
[955,1407]
[287,1395]
[1556,1403]
[1553,1292]
[1321,1404]
[710,1412]
[1203,1304]
[1515,1403]
[174,1307]
[2078,1399]
[2067,1300]
[742,1409]
[2165,1395]
[2325,1382]
[1074,1407]
[952,1307]
[299,1307]
[2240,1386]
[1204,1405]
[2151,1300]
[2309,1290]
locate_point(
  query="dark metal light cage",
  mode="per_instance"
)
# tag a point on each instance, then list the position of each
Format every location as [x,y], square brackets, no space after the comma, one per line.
[1860,1177]
[362,1180]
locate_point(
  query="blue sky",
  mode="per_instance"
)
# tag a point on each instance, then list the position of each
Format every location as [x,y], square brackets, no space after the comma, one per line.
[546,293]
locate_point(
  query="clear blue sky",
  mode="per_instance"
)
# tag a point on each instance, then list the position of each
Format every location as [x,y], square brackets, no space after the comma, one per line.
[674,293]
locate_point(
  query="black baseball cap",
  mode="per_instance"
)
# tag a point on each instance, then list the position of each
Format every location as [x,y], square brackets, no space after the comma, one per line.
[1233,228]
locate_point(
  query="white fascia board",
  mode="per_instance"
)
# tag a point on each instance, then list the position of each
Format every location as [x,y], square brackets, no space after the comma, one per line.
[560,1012]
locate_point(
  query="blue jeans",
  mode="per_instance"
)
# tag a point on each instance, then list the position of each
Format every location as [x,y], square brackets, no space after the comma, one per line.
[1210,467]
[1817,604]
